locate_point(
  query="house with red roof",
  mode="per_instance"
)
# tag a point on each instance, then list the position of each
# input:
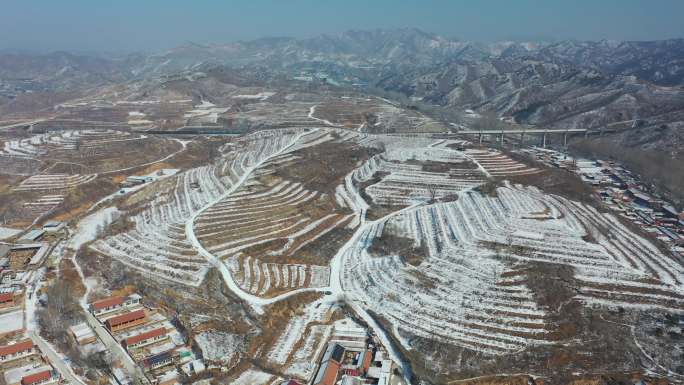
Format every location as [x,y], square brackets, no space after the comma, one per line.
[111,304]
[126,320]
[145,338]
[18,350]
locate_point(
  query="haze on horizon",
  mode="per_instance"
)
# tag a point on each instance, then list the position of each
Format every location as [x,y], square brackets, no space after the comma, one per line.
[126,26]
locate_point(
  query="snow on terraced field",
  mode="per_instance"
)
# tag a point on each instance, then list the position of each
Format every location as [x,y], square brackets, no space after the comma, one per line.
[158,244]
[464,293]
[260,229]
[497,164]
[410,168]
[53,182]
[43,204]
[67,140]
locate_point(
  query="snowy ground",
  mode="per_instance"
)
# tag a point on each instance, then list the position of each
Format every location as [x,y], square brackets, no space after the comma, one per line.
[218,346]
[7,232]
[11,321]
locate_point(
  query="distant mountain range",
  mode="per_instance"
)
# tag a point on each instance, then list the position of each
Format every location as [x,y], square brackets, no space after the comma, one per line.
[629,85]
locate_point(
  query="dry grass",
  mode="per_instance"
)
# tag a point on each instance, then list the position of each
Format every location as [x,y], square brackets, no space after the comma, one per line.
[324,166]
[390,244]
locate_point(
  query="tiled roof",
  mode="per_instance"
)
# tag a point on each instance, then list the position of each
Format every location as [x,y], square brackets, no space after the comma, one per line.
[15,348]
[145,336]
[36,378]
[123,318]
[107,302]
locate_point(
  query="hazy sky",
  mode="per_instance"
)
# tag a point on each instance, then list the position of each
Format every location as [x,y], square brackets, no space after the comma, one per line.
[133,25]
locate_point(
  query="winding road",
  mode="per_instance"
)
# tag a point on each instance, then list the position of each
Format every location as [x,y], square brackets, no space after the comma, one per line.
[335,290]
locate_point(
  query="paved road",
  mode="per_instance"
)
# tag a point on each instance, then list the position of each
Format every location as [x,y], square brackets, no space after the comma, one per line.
[32,330]
[114,347]
[55,358]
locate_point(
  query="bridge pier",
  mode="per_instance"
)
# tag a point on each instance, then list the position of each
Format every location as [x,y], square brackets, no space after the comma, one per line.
[522,139]
[479,137]
[502,139]
[565,140]
[544,140]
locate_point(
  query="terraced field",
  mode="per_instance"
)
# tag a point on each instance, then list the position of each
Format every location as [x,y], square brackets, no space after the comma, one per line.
[158,244]
[58,142]
[263,230]
[497,164]
[53,182]
[472,293]
[286,211]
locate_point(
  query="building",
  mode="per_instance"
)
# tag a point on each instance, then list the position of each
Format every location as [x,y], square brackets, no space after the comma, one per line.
[4,250]
[330,365]
[381,372]
[32,236]
[136,180]
[18,350]
[145,338]
[159,360]
[640,198]
[31,375]
[168,378]
[82,334]
[46,376]
[106,305]
[7,300]
[670,212]
[125,321]
[349,335]
[53,226]
[110,304]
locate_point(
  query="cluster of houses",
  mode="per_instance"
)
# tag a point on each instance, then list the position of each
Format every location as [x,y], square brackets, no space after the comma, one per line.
[623,192]
[353,357]
[147,336]
[21,264]
[21,267]
[22,363]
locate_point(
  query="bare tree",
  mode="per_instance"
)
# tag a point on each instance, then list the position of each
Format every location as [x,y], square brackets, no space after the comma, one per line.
[432,193]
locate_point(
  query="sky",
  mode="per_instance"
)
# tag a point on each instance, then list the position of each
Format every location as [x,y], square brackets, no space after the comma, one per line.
[126,26]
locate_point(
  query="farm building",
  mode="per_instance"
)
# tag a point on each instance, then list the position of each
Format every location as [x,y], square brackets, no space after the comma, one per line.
[82,334]
[126,320]
[349,335]
[136,180]
[382,372]
[330,365]
[32,236]
[53,226]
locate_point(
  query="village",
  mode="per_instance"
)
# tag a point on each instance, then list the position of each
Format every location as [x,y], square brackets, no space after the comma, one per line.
[136,344]
[353,357]
[623,192]
[25,358]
